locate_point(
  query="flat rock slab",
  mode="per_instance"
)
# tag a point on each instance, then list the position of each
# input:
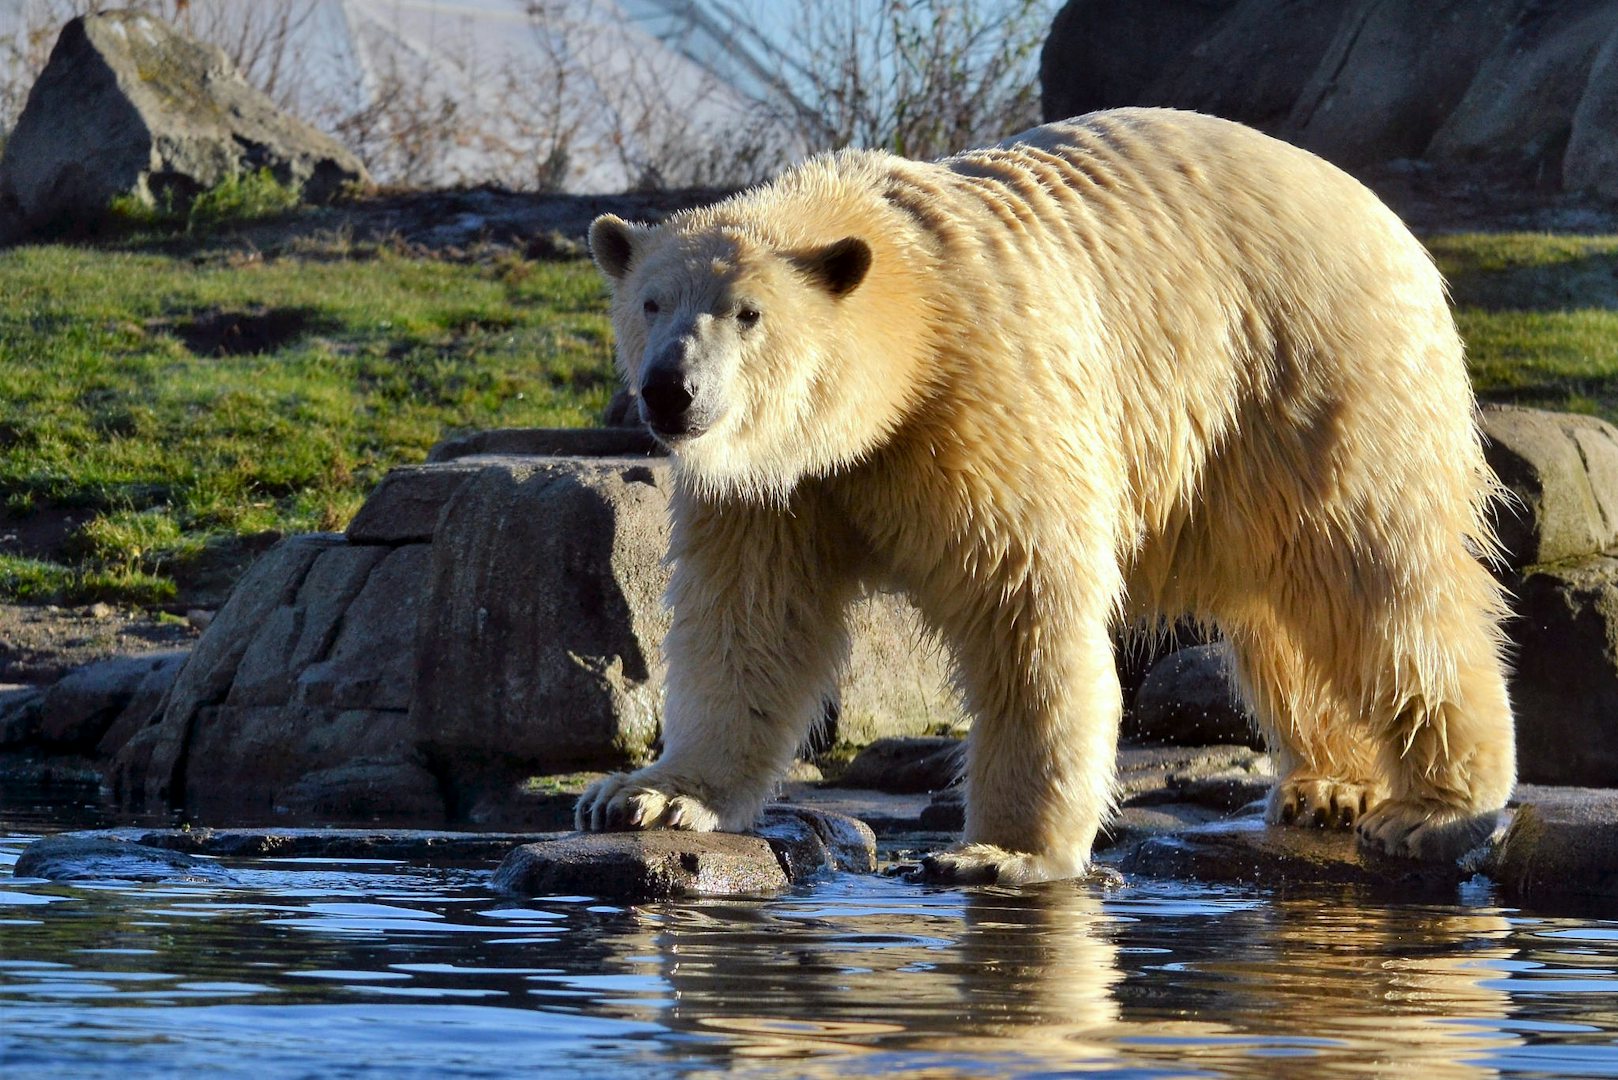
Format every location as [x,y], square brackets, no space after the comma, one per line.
[102,857]
[1247,852]
[886,813]
[790,846]
[405,845]
[1560,847]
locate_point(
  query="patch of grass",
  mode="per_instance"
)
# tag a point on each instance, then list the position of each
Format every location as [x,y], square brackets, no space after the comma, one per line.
[105,405]
[198,406]
[1539,314]
[239,197]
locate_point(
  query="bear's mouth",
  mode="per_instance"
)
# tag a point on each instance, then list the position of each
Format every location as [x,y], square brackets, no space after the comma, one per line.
[673,435]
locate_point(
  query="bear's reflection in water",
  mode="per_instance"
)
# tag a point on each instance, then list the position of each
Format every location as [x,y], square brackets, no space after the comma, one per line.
[1059,977]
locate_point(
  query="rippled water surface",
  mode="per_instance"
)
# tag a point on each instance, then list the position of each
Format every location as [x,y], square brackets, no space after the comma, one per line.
[312,968]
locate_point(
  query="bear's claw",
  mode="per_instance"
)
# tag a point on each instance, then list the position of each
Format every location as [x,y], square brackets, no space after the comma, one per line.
[1431,832]
[626,801]
[1307,801]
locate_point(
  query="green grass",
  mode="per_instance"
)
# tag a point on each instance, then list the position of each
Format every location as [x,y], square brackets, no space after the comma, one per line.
[1539,314]
[239,198]
[124,391]
[190,401]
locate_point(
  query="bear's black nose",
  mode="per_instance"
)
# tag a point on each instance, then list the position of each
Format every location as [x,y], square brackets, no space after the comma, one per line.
[664,400]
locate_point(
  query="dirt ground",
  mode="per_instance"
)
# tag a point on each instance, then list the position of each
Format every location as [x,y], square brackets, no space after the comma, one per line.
[40,644]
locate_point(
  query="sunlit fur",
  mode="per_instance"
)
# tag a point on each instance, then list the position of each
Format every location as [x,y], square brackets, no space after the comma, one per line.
[1139,365]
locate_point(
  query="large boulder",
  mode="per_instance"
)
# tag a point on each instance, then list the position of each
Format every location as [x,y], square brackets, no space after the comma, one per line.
[1562,472]
[1564,684]
[1561,845]
[1520,105]
[1524,85]
[1591,160]
[128,106]
[1190,699]
[1381,88]
[488,618]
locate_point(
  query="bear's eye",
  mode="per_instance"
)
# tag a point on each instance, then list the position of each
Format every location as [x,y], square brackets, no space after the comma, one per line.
[748,317]
[650,307]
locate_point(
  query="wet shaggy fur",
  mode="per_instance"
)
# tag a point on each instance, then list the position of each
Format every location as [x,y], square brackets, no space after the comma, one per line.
[1138,365]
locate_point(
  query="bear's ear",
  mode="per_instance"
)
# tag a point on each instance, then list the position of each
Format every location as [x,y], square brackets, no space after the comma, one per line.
[838,268]
[612,245]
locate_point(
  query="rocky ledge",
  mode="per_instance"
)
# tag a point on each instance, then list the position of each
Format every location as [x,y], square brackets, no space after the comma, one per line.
[1559,850]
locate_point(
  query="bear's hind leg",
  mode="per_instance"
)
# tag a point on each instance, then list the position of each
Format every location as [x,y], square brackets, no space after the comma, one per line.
[1328,778]
[1448,740]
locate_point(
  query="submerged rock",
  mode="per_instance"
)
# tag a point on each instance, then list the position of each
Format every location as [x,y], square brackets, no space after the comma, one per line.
[100,857]
[790,845]
[1245,851]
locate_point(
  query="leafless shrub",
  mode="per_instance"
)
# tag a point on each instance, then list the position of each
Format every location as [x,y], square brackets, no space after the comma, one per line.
[586,99]
[921,78]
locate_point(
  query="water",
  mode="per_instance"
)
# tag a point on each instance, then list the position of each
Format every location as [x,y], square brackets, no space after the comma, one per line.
[335,969]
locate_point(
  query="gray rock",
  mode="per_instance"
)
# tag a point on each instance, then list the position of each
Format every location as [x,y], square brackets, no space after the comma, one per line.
[405,506]
[1189,699]
[1564,679]
[789,847]
[390,789]
[144,772]
[886,813]
[255,763]
[550,442]
[643,866]
[437,848]
[128,106]
[78,711]
[545,589]
[947,811]
[1591,160]
[1144,770]
[906,764]
[1215,778]
[1252,65]
[1381,90]
[1562,847]
[1501,82]
[301,632]
[1522,99]
[19,715]
[146,704]
[73,857]
[370,663]
[1562,469]
[1246,851]
[1101,54]
[1132,824]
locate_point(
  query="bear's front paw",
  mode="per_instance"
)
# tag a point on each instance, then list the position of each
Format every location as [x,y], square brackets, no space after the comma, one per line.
[985,864]
[1429,831]
[641,800]
[1308,801]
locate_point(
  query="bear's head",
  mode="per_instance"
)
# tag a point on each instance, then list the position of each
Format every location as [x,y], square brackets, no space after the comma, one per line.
[758,361]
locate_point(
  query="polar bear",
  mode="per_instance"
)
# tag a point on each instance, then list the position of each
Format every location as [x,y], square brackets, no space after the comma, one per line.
[1140,365]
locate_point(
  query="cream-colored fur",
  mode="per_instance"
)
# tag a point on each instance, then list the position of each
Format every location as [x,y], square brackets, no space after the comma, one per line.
[1137,365]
